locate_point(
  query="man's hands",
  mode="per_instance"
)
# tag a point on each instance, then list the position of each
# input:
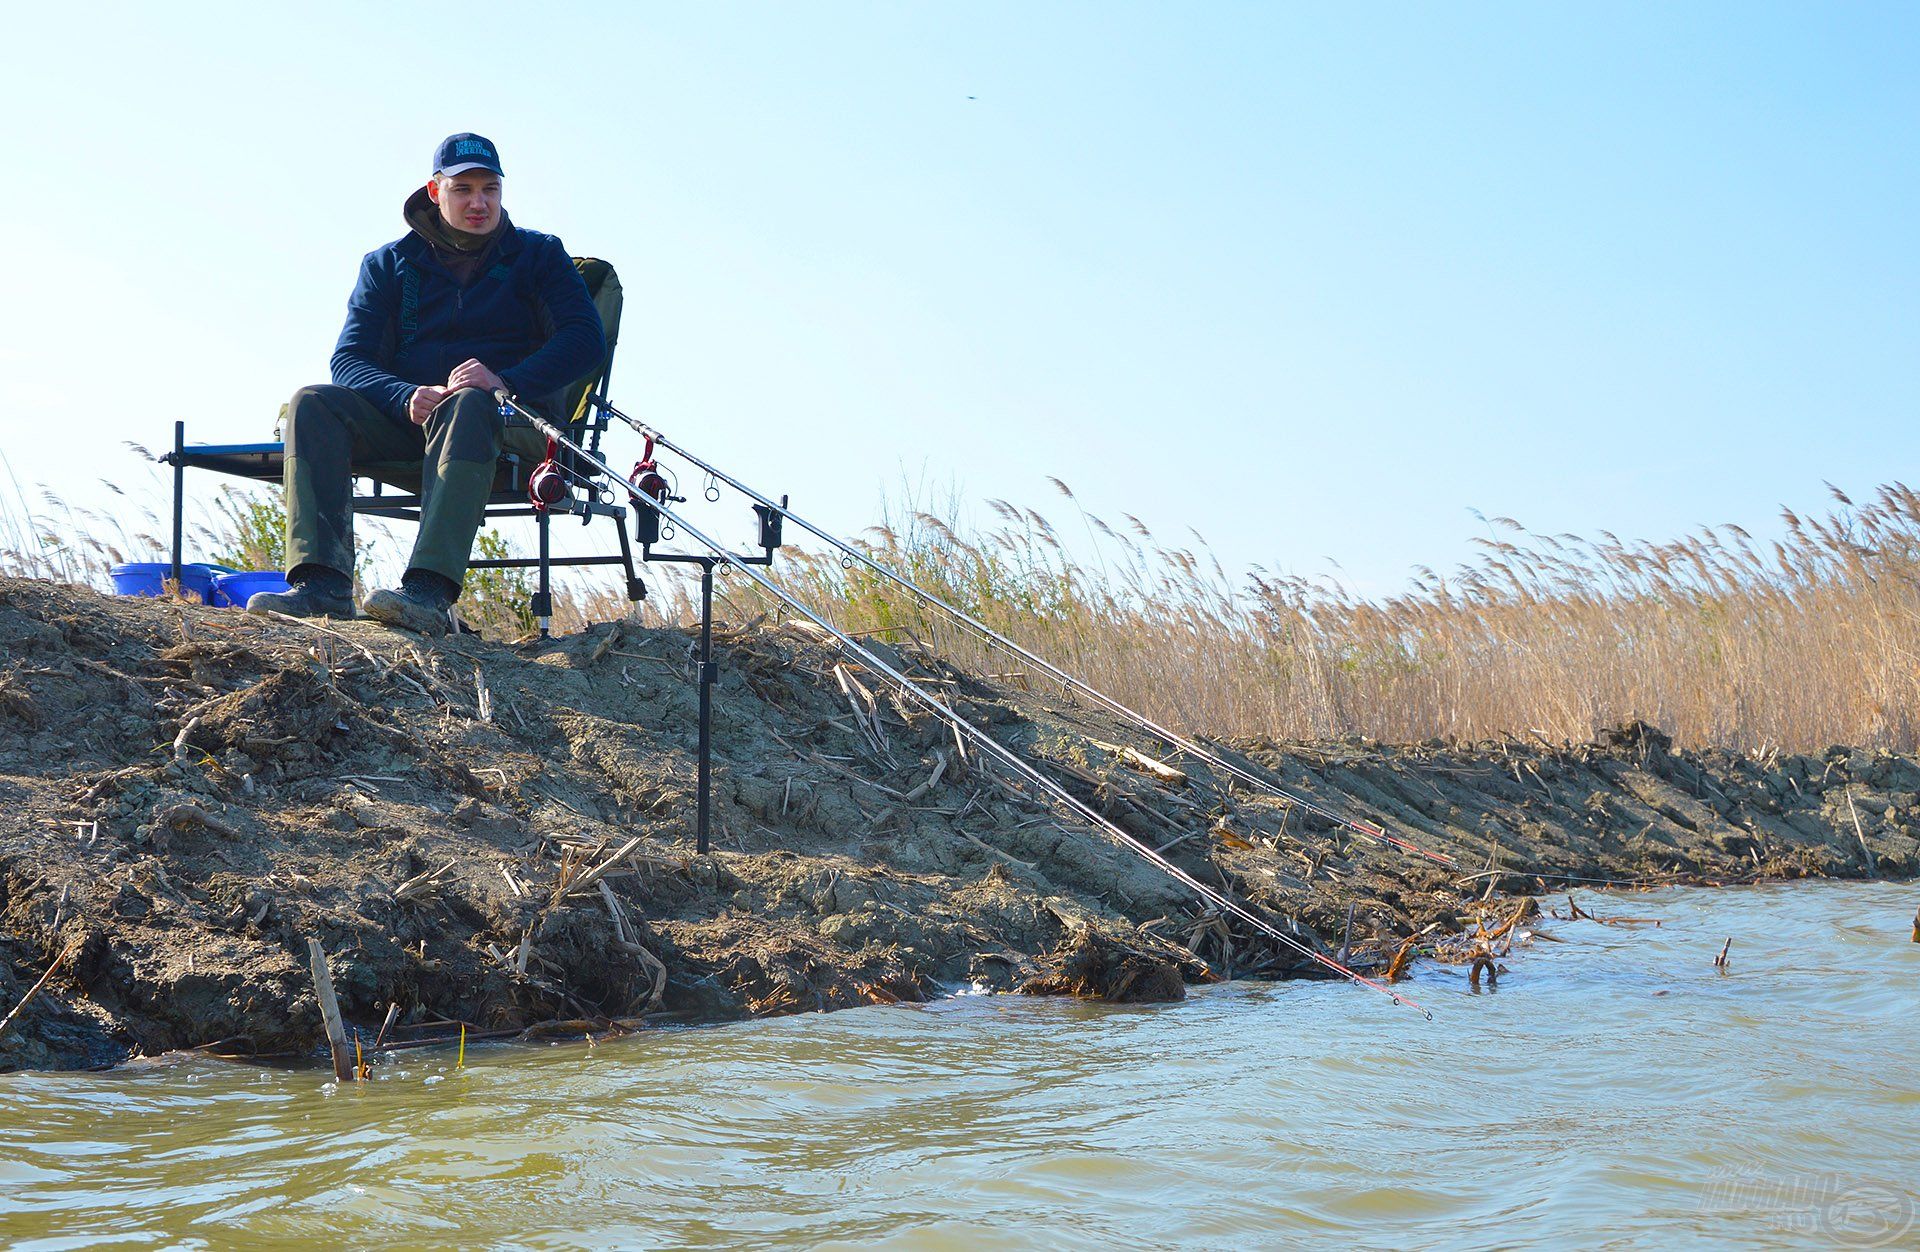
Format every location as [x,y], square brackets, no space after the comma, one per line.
[422,403]
[469,373]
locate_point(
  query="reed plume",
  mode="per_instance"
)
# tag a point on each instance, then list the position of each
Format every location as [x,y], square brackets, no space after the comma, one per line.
[1722,640]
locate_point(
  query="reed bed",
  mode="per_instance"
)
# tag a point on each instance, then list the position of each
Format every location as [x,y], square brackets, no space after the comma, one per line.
[1719,639]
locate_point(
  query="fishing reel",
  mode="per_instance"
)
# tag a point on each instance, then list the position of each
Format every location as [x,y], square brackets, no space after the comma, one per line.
[547,485]
[649,490]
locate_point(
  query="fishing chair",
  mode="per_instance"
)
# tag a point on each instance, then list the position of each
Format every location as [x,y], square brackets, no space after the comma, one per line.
[263,462]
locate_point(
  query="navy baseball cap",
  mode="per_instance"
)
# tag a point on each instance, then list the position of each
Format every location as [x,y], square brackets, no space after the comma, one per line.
[459,153]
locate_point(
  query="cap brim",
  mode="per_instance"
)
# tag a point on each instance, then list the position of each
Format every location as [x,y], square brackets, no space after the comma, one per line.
[470,165]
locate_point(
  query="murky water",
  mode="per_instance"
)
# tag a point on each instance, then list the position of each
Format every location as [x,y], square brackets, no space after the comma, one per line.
[1616,1089]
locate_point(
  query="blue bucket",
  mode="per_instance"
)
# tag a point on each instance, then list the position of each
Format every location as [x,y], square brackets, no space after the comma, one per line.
[148,578]
[233,590]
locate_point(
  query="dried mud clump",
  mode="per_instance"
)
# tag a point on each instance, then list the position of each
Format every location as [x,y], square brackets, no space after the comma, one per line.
[1093,965]
[289,715]
[499,837]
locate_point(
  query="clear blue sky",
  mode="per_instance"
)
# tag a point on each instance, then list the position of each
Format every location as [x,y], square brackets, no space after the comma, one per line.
[1311,280]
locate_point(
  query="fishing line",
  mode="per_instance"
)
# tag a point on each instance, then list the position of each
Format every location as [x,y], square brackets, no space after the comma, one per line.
[1021,769]
[994,638]
[850,554]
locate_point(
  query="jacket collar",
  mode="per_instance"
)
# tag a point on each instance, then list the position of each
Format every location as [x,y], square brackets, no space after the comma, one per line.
[416,250]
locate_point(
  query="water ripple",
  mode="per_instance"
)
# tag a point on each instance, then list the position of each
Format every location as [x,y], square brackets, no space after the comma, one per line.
[1615,1089]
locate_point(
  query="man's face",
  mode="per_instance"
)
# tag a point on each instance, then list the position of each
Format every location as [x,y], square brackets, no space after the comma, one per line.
[468,201]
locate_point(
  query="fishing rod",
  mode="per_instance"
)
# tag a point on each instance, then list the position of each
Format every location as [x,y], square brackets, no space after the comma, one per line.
[1370,830]
[1021,769]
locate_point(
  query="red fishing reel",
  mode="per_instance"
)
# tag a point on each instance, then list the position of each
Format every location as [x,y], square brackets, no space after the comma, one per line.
[547,485]
[647,480]
[649,490]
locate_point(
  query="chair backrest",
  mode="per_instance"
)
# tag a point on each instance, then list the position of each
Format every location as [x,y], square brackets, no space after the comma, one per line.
[603,285]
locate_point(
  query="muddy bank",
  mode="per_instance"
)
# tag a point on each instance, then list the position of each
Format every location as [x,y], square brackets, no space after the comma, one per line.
[501,835]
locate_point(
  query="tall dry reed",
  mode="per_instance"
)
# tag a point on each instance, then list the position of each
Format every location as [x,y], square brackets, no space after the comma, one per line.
[1717,638]
[1722,641]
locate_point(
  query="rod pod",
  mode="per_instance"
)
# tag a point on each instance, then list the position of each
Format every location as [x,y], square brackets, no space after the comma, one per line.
[1018,767]
[1184,743]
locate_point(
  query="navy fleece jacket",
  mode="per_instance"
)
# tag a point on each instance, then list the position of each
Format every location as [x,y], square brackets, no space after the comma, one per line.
[526,316]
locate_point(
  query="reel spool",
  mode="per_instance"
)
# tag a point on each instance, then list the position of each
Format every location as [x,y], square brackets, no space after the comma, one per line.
[547,485]
[649,489]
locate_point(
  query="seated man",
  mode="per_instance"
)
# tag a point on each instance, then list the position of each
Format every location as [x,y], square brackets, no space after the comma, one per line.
[466,304]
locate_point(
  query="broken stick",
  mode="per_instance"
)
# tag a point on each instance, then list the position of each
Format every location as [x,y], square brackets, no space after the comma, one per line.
[984,846]
[627,852]
[180,740]
[420,884]
[180,816]
[1873,866]
[933,779]
[1144,763]
[1397,967]
[33,991]
[330,1012]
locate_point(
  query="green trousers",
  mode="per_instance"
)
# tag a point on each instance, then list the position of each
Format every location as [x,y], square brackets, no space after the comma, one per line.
[333,434]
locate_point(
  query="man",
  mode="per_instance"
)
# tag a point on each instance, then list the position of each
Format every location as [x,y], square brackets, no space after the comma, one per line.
[465,304]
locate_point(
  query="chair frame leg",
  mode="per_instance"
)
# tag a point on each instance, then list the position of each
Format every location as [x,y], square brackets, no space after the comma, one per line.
[179,495]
